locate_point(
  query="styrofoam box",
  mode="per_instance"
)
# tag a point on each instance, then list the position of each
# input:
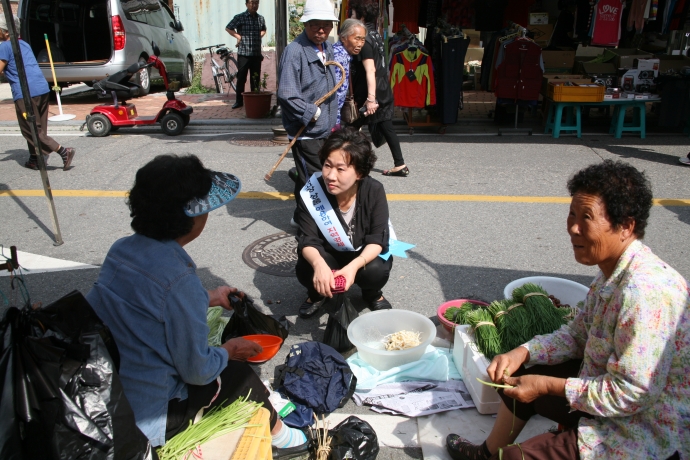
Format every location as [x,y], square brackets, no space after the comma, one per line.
[472,364]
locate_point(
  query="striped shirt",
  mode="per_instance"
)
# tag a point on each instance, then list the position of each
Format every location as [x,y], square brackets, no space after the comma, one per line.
[250,28]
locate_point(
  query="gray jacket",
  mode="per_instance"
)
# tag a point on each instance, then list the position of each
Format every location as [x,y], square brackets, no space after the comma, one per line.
[303,80]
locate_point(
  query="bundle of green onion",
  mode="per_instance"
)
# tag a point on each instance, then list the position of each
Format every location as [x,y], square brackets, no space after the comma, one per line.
[217,422]
[485,333]
[216,325]
[545,317]
[458,315]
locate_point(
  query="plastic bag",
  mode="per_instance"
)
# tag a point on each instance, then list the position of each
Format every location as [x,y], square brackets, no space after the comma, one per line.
[353,438]
[61,394]
[248,320]
[377,137]
[340,314]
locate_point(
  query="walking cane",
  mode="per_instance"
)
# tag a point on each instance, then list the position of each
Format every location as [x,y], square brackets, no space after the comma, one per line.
[56,88]
[318,103]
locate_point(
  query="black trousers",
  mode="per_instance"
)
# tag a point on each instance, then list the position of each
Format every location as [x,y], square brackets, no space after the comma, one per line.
[385,128]
[371,279]
[251,65]
[40,106]
[237,379]
[306,155]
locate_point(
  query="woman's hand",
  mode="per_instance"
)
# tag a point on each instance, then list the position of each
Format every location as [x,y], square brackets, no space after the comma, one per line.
[371,107]
[349,271]
[240,349]
[530,387]
[323,279]
[506,364]
[219,296]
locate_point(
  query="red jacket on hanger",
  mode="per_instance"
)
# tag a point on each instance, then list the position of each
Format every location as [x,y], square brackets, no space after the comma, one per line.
[519,75]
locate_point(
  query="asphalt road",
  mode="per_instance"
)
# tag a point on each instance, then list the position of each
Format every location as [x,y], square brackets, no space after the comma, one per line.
[467,247]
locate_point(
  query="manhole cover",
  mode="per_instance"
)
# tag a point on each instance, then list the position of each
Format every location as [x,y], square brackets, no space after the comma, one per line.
[273,254]
[262,140]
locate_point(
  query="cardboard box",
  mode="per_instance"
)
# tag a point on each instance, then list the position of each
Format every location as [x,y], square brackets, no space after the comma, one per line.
[638,81]
[647,64]
[538,18]
[474,54]
[591,51]
[542,33]
[558,61]
[624,58]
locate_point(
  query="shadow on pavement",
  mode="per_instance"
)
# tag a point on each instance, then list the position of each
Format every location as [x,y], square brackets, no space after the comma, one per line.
[27,211]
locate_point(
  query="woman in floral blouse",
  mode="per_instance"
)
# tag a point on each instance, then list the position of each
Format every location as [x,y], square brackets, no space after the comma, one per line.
[616,376]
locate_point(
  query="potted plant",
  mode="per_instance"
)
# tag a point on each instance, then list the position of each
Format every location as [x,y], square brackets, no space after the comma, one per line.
[257,104]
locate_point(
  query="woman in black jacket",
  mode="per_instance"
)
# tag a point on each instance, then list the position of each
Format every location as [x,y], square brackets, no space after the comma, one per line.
[372,89]
[343,219]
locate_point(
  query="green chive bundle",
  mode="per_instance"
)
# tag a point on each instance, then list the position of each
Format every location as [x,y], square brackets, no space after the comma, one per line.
[217,422]
[458,315]
[485,333]
[545,317]
[216,325]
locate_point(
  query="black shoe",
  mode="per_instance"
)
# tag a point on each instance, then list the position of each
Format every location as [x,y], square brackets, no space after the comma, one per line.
[461,449]
[382,304]
[237,105]
[31,165]
[67,159]
[307,310]
[292,452]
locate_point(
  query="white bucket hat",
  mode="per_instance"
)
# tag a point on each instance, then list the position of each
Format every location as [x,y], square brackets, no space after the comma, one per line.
[319,10]
[3,22]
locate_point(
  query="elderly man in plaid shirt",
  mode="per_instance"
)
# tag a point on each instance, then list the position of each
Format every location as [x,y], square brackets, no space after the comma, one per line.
[248,28]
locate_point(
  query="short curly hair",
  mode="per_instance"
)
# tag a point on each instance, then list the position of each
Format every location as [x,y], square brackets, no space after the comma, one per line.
[161,189]
[367,10]
[361,154]
[625,191]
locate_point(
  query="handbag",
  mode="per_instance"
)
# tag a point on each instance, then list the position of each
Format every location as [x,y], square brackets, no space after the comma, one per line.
[349,112]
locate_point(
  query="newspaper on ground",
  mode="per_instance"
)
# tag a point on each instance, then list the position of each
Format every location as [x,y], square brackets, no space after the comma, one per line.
[416,398]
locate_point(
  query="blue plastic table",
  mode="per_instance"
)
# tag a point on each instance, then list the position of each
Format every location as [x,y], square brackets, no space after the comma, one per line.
[573,122]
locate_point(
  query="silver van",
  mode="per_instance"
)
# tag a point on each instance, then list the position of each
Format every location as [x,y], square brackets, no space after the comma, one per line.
[92,39]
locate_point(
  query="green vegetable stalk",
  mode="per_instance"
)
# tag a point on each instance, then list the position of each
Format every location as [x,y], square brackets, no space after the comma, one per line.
[217,422]
[485,333]
[458,315]
[216,325]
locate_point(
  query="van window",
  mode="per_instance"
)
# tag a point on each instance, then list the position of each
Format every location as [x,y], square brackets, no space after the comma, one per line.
[156,18]
[141,10]
[169,17]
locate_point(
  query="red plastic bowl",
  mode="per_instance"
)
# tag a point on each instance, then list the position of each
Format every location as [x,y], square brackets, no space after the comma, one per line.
[448,325]
[270,344]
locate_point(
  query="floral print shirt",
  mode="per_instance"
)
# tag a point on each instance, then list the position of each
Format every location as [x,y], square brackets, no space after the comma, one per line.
[341,56]
[633,336]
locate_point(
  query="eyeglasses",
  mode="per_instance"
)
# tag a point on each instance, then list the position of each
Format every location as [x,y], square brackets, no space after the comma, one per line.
[318,26]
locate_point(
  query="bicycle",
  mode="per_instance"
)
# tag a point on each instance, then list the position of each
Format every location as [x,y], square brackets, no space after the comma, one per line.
[225,73]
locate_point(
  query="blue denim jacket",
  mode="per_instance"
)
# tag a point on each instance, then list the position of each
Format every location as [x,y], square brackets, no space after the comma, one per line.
[303,80]
[150,297]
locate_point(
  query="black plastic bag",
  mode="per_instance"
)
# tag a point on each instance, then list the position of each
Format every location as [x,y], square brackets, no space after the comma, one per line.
[61,395]
[353,438]
[248,320]
[340,314]
[377,137]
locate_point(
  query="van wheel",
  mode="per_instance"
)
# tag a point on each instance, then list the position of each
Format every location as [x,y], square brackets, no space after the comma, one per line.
[172,123]
[188,72]
[143,79]
[99,125]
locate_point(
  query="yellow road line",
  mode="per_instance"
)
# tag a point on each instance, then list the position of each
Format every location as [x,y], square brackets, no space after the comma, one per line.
[284,196]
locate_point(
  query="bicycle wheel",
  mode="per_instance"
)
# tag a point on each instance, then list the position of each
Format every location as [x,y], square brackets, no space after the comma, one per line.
[231,68]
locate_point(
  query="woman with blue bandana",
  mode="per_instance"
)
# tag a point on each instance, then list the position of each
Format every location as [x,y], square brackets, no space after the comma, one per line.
[149,295]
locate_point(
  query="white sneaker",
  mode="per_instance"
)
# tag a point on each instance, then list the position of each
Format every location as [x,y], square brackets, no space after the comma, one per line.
[293,224]
[685,160]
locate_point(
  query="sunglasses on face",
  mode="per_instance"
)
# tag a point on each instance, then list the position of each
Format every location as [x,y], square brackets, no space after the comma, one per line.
[319,26]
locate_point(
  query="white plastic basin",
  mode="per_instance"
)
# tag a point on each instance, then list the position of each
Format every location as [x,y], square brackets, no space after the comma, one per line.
[367,332]
[568,292]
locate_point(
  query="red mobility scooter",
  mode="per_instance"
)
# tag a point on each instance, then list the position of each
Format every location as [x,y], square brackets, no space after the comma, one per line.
[173,117]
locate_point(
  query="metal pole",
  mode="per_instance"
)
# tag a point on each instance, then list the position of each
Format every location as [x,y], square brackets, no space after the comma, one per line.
[281,33]
[31,118]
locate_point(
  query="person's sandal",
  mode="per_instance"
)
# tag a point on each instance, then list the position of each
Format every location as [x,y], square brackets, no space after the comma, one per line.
[307,309]
[685,160]
[404,172]
[461,449]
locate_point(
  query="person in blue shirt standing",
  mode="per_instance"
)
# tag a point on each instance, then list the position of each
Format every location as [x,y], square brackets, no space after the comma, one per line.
[149,295]
[248,28]
[40,92]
